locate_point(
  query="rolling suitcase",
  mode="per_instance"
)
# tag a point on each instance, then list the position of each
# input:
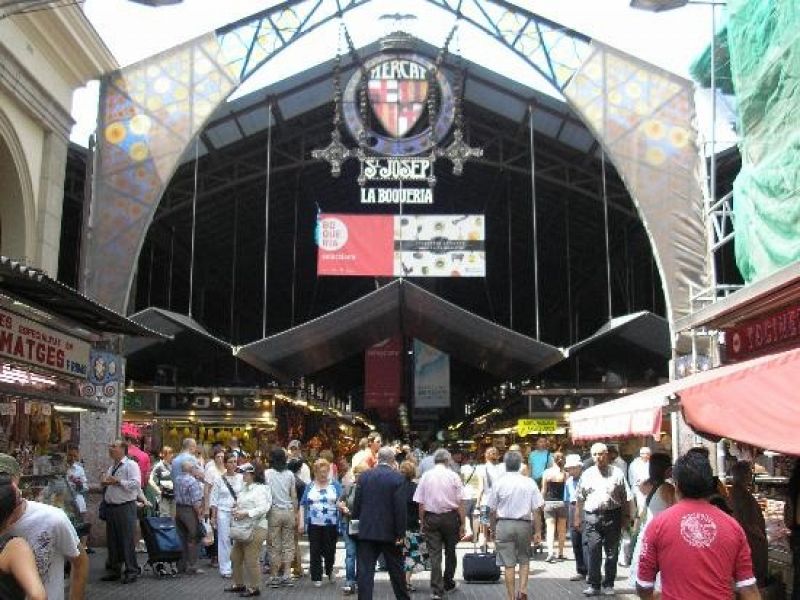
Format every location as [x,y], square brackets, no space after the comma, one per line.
[163,545]
[481,567]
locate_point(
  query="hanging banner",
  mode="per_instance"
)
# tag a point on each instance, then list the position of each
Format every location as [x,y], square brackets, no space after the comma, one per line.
[769,333]
[529,426]
[401,246]
[383,377]
[27,341]
[431,377]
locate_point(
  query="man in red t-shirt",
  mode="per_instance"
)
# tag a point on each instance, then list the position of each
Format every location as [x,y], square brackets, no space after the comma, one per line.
[700,552]
[142,459]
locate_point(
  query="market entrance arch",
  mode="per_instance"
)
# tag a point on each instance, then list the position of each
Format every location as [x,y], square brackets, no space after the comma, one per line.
[152,111]
[15,196]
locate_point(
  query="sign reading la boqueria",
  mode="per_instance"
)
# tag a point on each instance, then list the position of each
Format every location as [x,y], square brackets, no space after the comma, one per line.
[399,104]
[26,341]
[775,331]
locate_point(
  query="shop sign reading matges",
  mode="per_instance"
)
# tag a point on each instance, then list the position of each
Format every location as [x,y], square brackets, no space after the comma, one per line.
[529,426]
[26,341]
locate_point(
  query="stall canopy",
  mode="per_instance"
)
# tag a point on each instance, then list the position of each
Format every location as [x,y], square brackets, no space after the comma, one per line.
[41,291]
[399,307]
[642,331]
[753,402]
[191,349]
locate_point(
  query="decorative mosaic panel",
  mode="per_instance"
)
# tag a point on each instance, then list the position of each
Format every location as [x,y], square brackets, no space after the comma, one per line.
[643,117]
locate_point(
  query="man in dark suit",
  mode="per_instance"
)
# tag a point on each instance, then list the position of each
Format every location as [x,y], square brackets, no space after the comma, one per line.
[380,507]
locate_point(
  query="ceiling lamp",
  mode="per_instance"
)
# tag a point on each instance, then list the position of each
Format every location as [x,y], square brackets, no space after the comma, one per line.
[658,5]
[157,2]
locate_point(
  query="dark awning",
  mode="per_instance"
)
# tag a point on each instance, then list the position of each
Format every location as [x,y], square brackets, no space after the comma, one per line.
[399,307]
[170,325]
[16,391]
[45,293]
[643,331]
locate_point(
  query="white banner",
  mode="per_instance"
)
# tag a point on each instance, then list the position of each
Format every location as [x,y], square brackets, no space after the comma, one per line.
[27,341]
[431,377]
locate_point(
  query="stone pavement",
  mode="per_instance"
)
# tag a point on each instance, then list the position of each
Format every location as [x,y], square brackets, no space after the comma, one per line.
[548,581]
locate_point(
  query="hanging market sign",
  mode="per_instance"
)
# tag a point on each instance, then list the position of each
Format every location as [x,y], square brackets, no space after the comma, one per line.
[530,426]
[774,331]
[30,342]
[396,105]
[205,401]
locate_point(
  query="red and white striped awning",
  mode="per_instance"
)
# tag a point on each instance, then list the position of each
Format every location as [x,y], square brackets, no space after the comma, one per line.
[630,416]
[754,401]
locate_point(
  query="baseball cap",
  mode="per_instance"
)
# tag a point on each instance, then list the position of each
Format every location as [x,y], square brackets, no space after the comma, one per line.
[295,444]
[9,464]
[572,460]
[246,468]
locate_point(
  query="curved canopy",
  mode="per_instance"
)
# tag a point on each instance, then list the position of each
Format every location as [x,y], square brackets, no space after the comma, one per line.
[399,307]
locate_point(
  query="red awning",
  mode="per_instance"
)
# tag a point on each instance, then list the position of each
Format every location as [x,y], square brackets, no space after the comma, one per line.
[756,402]
[630,416]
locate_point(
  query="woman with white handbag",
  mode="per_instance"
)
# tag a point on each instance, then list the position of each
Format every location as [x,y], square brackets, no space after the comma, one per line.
[222,499]
[248,532]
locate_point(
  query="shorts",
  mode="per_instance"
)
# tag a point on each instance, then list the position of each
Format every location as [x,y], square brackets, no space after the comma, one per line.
[485,515]
[555,509]
[513,542]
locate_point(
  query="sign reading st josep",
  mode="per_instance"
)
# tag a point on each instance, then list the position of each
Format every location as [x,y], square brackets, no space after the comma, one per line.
[27,341]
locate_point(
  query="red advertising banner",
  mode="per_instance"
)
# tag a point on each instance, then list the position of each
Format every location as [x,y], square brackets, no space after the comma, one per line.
[770,333]
[356,245]
[401,246]
[383,377]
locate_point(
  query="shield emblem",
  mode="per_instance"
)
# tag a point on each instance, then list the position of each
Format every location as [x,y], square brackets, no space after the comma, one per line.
[398,103]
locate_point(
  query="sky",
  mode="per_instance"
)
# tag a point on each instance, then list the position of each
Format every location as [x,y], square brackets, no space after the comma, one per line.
[133,32]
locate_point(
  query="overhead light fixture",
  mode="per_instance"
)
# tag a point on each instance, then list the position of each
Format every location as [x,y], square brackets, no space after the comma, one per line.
[130,389]
[157,3]
[68,409]
[658,5]
[215,399]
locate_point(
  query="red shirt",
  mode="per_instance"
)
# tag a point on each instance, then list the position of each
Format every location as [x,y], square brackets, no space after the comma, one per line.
[144,462]
[700,552]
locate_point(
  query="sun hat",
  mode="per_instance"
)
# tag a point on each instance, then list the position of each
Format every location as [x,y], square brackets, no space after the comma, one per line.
[573,460]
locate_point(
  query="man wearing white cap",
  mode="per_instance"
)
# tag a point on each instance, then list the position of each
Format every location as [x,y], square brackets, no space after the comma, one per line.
[574,467]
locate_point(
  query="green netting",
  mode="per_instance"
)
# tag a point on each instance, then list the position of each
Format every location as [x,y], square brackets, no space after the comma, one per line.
[764,45]
[701,67]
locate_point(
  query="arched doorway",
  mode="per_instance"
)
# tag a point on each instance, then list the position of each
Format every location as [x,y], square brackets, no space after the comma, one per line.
[13,215]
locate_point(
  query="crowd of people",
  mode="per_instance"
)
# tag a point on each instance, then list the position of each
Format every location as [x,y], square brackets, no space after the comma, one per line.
[403,510]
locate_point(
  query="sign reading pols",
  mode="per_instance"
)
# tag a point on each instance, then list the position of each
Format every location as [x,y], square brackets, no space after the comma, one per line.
[30,342]
[530,426]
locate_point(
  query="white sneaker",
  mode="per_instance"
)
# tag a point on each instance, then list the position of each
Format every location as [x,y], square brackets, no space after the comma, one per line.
[317,584]
[608,591]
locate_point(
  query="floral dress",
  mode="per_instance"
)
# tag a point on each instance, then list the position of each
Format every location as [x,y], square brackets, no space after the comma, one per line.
[415,550]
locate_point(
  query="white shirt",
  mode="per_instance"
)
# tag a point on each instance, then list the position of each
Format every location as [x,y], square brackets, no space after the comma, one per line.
[638,472]
[256,500]
[79,484]
[220,496]
[130,482]
[52,538]
[212,473]
[490,475]
[515,496]
[471,476]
